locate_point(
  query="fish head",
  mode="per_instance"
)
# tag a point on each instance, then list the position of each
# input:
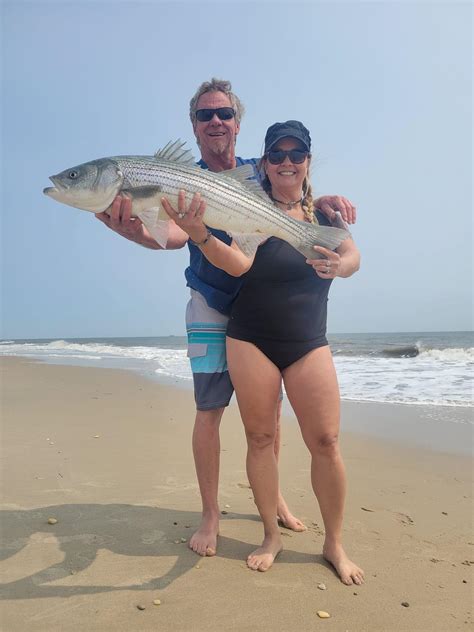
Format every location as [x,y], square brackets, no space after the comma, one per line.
[91,186]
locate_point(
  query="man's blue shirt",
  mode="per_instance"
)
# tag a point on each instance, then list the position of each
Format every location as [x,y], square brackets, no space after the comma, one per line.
[218,288]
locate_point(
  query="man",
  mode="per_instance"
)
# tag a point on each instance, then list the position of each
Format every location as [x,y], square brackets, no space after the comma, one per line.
[215,113]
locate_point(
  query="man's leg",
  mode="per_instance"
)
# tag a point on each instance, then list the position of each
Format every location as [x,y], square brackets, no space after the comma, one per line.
[212,392]
[206,449]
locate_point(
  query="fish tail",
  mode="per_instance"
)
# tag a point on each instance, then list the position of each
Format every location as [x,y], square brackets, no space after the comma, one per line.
[325,236]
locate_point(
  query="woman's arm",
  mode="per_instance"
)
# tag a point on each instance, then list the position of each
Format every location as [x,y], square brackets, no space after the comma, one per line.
[228,258]
[349,258]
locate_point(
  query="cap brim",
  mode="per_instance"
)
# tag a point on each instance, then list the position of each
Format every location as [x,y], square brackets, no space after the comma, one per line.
[287,135]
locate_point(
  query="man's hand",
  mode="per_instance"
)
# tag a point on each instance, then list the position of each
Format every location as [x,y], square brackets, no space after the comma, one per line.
[118,217]
[330,204]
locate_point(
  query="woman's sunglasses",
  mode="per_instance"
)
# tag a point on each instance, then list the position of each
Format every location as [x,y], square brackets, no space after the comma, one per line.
[206,114]
[296,156]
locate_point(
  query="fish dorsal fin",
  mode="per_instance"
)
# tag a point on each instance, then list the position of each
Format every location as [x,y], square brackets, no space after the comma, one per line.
[240,173]
[245,174]
[174,152]
[256,188]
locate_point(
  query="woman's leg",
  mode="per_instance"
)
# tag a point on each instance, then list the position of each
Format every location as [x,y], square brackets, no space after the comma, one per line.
[286,518]
[312,389]
[257,383]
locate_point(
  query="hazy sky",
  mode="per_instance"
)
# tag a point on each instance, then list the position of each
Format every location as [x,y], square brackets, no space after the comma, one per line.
[384,87]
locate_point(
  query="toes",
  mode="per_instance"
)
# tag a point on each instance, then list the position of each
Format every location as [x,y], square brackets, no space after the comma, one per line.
[210,552]
[252,563]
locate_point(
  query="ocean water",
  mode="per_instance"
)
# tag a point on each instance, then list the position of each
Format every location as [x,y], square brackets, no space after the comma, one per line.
[433,369]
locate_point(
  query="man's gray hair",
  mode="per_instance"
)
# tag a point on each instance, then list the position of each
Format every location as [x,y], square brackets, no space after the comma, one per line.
[216,85]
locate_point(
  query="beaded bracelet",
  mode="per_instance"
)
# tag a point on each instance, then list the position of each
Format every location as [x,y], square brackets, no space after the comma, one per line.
[204,241]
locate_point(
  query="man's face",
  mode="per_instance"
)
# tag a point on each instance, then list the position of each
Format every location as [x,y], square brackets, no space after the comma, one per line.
[215,136]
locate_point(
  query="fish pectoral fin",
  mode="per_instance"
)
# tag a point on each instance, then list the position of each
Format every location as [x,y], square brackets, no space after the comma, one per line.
[248,242]
[157,227]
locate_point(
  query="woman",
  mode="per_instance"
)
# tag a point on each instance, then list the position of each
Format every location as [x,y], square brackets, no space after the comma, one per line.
[277,329]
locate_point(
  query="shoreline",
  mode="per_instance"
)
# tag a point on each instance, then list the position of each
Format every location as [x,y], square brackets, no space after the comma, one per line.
[442,429]
[108,454]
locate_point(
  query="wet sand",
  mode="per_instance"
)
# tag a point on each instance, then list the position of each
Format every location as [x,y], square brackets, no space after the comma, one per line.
[107,454]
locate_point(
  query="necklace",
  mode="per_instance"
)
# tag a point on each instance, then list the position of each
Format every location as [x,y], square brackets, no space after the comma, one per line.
[289,205]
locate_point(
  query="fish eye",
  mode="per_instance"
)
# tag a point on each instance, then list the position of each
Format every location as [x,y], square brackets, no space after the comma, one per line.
[73,174]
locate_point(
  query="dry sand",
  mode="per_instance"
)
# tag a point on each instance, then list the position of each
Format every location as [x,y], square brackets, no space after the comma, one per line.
[107,454]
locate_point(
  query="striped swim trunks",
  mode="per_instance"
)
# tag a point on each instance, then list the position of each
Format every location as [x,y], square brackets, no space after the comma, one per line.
[206,329]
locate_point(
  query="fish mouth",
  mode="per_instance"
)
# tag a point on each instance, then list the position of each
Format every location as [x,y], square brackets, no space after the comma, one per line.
[51,191]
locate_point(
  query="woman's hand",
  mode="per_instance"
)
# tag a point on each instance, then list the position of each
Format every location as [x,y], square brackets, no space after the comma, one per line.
[329,266]
[188,218]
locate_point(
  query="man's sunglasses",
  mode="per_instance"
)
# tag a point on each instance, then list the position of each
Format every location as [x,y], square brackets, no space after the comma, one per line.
[206,114]
[296,156]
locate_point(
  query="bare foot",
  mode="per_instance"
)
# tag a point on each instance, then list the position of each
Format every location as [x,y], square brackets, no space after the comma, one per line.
[348,572]
[204,540]
[262,558]
[286,518]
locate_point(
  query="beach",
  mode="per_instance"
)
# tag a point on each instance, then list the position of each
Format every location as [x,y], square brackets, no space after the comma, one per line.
[107,454]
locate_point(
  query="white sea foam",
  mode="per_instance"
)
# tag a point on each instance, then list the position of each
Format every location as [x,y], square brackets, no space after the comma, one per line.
[436,377]
[448,355]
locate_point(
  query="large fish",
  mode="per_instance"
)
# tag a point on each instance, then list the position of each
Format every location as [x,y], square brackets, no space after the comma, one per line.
[235,203]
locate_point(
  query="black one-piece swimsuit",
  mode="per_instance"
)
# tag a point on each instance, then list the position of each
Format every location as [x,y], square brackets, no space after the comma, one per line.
[282,305]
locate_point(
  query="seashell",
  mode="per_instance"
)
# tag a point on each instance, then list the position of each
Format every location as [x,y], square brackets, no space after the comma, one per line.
[52,521]
[141,606]
[323,615]
[157,602]
[322,586]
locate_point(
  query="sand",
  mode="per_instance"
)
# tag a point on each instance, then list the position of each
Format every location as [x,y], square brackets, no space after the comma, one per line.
[107,454]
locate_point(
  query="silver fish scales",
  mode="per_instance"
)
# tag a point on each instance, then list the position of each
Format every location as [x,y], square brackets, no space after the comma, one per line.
[234,203]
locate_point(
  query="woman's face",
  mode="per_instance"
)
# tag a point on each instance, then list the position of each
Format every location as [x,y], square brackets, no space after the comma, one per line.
[287,174]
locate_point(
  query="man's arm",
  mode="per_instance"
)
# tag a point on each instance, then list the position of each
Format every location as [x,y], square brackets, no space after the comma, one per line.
[118,217]
[329,204]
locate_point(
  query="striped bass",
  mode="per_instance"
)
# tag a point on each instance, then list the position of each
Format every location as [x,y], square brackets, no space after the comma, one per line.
[235,203]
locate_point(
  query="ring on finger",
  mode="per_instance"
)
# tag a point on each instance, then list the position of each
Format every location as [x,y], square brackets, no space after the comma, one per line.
[181,215]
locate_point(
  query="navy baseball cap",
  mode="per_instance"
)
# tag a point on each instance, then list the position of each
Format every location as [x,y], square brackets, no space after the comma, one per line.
[293,129]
